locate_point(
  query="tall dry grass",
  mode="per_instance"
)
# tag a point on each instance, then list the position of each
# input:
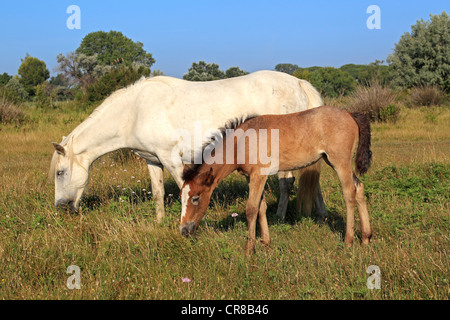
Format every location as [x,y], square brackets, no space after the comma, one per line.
[375,99]
[426,96]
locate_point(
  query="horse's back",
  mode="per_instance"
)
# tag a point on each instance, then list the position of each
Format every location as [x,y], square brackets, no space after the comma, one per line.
[215,102]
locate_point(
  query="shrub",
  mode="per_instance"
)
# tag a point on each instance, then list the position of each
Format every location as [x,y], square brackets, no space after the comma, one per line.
[375,100]
[9,112]
[426,96]
[389,113]
[45,94]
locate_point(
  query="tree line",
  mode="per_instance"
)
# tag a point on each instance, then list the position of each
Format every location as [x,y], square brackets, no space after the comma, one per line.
[106,61]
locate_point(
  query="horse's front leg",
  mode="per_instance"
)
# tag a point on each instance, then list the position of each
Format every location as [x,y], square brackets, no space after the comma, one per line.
[256,189]
[157,182]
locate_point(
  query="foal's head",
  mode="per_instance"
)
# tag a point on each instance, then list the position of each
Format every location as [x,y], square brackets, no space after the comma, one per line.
[195,195]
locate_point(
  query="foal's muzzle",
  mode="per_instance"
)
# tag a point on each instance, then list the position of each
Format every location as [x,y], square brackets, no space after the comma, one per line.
[187,229]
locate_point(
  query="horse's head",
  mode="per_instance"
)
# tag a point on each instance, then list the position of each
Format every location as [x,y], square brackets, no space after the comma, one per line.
[70,173]
[195,195]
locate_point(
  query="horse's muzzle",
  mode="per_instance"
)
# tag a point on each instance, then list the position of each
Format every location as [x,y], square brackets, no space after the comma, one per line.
[187,229]
[66,204]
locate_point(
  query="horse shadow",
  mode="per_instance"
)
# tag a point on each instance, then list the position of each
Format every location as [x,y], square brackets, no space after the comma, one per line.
[227,193]
[239,189]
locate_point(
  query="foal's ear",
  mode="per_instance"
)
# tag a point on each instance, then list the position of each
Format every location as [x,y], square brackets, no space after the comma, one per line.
[59,149]
[208,178]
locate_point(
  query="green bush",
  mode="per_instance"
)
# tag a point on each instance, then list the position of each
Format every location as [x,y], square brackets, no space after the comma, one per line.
[331,82]
[389,113]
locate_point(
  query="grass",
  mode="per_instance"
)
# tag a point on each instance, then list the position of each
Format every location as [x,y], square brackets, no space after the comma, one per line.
[124,254]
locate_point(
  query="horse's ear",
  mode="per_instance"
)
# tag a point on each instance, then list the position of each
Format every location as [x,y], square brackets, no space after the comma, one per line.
[59,149]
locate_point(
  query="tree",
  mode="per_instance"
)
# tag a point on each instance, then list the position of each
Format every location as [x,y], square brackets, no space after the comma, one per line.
[4,78]
[119,77]
[375,71]
[80,68]
[113,46]
[353,69]
[32,72]
[286,68]
[203,71]
[16,88]
[330,81]
[235,72]
[58,81]
[422,56]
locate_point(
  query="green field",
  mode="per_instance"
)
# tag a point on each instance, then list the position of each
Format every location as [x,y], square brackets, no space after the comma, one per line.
[124,254]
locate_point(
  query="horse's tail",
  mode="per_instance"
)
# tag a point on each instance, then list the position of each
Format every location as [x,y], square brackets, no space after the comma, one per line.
[363,157]
[308,185]
[313,96]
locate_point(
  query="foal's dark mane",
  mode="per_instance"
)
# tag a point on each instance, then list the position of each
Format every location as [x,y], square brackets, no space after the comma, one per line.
[190,173]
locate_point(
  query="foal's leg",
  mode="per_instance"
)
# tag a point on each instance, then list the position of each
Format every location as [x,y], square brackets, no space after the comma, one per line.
[262,219]
[256,188]
[349,190]
[366,231]
[156,177]
[286,181]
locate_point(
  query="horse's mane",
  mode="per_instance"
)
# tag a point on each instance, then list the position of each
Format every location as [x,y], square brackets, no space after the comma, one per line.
[66,142]
[191,172]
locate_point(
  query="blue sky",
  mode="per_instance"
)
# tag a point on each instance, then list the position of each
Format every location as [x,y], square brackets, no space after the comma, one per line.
[253,35]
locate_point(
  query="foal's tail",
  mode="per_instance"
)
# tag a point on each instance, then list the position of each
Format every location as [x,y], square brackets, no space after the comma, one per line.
[363,154]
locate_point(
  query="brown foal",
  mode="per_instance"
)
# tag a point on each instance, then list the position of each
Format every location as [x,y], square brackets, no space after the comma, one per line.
[297,140]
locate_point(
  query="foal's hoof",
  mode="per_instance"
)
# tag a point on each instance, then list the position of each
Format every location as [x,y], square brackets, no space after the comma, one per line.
[348,243]
[250,248]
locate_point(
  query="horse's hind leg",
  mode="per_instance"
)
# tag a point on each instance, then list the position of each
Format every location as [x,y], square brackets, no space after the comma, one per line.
[321,210]
[286,181]
[309,192]
[366,231]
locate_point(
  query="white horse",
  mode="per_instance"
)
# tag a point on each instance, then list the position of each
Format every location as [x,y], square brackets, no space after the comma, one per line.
[144,116]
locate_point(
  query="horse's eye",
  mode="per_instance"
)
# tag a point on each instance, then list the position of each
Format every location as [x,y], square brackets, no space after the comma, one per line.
[195,200]
[60,173]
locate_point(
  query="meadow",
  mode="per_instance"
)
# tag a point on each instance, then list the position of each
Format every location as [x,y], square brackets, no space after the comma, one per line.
[123,253]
